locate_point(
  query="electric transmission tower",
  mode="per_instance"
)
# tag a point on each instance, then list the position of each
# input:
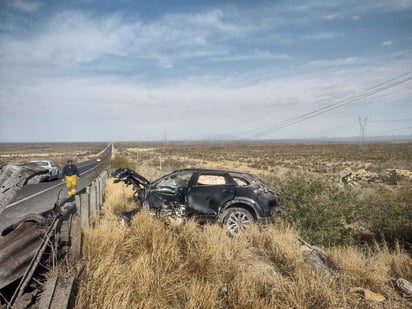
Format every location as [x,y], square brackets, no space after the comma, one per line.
[362,124]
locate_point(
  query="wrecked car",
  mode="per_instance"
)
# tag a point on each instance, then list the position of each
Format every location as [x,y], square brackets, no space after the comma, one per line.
[234,199]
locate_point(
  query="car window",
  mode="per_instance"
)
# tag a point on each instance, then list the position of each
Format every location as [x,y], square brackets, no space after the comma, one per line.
[241,182]
[211,180]
[176,180]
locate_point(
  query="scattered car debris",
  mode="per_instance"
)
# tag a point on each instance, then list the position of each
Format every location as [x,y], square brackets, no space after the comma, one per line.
[318,259]
[404,287]
[13,176]
[233,198]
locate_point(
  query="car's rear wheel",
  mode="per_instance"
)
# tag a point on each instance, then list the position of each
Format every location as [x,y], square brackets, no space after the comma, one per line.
[237,219]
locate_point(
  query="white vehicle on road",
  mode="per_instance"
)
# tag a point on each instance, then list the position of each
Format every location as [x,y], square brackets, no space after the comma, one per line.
[49,165]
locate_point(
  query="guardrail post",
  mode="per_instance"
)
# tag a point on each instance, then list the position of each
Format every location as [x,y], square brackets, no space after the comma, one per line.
[101,189]
[104,179]
[77,202]
[92,199]
[99,192]
[84,208]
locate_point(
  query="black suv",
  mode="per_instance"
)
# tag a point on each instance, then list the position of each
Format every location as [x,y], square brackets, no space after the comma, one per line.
[233,198]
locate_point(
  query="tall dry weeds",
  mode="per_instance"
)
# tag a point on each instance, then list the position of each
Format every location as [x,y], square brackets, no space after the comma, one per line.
[154,265]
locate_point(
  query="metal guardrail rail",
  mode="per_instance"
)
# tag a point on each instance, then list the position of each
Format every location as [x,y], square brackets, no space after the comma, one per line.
[24,246]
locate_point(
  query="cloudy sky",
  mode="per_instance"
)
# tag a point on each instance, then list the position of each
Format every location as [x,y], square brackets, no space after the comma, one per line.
[109,70]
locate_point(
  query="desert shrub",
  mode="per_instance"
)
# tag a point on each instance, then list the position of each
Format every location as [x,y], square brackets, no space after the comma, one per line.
[320,210]
[326,214]
[172,164]
[121,161]
[387,213]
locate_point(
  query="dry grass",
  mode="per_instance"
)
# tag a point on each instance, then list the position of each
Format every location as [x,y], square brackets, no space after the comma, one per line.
[154,265]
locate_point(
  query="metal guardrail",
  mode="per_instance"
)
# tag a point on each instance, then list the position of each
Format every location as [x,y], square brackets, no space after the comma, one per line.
[21,250]
[89,202]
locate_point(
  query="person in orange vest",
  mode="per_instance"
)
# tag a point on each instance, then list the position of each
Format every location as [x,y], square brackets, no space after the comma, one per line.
[70,175]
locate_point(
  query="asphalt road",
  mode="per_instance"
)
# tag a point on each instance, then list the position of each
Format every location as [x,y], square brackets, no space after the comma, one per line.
[38,198]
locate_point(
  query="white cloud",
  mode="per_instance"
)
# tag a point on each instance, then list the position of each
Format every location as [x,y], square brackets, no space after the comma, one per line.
[330,17]
[387,43]
[210,19]
[255,55]
[386,5]
[72,37]
[321,36]
[335,62]
[69,37]
[74,64]
[186,106]
[340,6]
[28,6]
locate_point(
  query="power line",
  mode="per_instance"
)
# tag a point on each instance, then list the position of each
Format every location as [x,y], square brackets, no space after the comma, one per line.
[407,52]
[348,100]
[371,69]
[373,90]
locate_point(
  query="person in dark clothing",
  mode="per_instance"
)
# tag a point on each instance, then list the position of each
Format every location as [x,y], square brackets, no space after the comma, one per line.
[70,175]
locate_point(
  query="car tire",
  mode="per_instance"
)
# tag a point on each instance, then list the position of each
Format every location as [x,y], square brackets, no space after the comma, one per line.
[237,219]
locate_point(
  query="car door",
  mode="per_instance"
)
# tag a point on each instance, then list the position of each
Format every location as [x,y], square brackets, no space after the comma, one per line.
[209,192]
[169,189]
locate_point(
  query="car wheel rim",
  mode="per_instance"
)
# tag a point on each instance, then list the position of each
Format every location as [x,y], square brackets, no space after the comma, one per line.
[238,221]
